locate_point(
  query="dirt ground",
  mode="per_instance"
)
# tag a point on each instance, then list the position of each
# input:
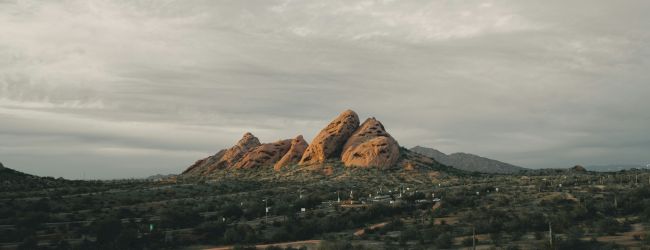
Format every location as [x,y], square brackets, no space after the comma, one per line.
[310,244]
[362,231]
[627,238]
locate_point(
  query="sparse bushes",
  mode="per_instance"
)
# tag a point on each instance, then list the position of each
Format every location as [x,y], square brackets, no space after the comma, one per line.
[240,233]
[179,218]
[445,240]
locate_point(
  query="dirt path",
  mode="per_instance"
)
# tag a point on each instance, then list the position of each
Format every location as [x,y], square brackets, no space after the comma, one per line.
[451,220]
[310,244]
[362,231]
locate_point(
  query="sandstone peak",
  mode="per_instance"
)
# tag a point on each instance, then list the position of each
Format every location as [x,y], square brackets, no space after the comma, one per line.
[248,140]
[264,155]
[234,154]
[298,147]
[329,142]
[348,112]
[224,158]
[369,129]
[370,146]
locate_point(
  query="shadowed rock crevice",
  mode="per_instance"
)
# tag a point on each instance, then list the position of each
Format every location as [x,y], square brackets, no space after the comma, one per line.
[293,156]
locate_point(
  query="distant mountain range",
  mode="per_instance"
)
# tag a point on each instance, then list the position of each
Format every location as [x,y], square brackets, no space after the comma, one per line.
[614,167]
[469,162]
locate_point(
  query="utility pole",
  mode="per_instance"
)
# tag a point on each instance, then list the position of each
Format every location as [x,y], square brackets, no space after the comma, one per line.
[550,234]
[474,238]
[266,209]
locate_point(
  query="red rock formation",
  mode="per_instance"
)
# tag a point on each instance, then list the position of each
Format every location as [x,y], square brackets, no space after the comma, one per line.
[329,142]
[370,146]
[298,147]
[266,154]
[234,154]
[224,158]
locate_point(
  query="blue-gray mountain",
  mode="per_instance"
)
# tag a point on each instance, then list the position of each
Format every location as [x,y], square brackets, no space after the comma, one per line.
[469,162]
[615,167]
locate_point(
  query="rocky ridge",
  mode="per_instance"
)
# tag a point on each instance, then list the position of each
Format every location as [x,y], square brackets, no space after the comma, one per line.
[343,140]
[224,158]
[329,142]
[264,155]
[370,146]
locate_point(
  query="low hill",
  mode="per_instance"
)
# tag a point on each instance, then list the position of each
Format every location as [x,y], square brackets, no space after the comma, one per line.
[11,180]
[160,176]
[469,162]
[615,167]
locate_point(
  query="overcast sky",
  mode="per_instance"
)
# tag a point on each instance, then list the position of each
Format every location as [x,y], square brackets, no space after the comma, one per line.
[113,89]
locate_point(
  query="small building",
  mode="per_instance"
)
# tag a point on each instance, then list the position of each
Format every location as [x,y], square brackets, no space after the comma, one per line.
[382,198]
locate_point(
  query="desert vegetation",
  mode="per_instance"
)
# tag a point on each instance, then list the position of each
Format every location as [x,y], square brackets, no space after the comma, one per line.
[349,208]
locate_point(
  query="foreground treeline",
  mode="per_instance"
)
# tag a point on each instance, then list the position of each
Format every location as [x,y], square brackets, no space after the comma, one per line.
[585,211]
[150,217]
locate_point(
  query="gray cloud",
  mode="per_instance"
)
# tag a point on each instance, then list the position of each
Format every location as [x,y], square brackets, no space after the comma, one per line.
[132,88]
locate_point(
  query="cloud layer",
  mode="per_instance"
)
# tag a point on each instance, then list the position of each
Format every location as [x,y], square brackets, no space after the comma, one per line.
[132,88]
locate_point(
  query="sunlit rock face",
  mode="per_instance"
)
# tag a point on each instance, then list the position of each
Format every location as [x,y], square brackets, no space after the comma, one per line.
[329,142]
[266,154]
[343,139]
[224,158]
[370,146]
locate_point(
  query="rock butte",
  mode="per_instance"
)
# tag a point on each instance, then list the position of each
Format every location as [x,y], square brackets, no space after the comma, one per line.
[298,147]
[368,145]
[329,142]
[224,158]
[264,155]
[233,155]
